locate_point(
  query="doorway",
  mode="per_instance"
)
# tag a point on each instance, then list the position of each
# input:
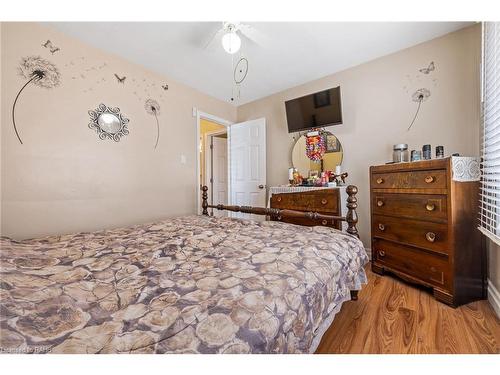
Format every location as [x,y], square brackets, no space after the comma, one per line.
[213,160]
[232,163]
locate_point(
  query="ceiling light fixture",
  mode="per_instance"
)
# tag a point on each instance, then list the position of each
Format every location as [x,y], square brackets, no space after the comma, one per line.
[231,41]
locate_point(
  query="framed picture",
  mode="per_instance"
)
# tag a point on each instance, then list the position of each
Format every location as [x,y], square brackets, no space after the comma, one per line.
[313,173]
[332,143]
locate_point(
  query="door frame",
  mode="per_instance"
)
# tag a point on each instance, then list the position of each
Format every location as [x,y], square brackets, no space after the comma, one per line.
[220,121]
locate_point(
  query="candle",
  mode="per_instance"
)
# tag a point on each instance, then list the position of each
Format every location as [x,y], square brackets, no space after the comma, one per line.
[338,170]
[290,174]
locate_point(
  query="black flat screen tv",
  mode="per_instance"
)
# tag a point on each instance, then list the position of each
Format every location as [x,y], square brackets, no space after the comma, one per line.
[315,110]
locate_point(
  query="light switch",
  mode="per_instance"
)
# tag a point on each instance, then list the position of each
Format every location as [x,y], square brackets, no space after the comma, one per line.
[183,159]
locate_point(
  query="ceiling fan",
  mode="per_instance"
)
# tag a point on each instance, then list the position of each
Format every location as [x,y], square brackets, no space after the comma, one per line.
[230,36]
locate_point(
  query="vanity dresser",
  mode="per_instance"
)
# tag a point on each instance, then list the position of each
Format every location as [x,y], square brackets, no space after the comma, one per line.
[424,218]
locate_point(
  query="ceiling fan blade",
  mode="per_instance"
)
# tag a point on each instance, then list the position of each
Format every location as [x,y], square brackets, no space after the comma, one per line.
[253,35]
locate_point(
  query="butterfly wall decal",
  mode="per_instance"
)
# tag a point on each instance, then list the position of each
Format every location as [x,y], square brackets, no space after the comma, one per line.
[429,69]
[120,80]
[52,48]
[164,87]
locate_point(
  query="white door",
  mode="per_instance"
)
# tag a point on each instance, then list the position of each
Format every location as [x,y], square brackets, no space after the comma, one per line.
[219,172]
[247,150]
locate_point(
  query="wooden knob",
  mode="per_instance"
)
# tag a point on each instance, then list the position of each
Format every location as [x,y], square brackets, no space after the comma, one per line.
[279,199]
[380,203]
[429,179]
[324,222]
[381,253]
[430,207]
[324,201]
[430,236]
[380,180]
[381,227]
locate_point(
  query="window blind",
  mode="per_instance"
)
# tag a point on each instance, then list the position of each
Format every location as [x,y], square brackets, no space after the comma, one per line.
[490,179]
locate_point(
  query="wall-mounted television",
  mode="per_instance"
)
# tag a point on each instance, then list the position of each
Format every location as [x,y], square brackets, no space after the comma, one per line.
[315,110]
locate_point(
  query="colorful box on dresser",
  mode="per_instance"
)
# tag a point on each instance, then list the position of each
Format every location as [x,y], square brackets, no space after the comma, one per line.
[424,226]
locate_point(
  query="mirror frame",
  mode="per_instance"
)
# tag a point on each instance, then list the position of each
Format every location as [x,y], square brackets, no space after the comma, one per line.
[305,134]
[103,134]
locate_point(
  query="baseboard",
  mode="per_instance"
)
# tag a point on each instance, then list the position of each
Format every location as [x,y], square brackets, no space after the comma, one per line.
[494,298]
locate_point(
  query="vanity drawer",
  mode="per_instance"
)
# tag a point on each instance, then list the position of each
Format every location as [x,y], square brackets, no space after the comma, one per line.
[428,179]
[429,268]
[430,207]
[423,234]
[326,201]
[312,223]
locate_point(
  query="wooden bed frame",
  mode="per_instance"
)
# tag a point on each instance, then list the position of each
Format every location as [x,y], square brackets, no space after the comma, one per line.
[351,217]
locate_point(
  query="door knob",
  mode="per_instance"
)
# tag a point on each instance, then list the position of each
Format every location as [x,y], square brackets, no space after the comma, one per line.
[261,186]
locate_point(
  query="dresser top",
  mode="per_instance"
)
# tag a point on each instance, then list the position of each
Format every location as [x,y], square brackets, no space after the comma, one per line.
[413,165]
[461,168]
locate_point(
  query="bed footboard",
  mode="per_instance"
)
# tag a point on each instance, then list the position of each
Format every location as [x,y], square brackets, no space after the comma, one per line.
[351,217]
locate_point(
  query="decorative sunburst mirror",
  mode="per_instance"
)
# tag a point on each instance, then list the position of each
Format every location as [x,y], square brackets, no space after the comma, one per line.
[108,122]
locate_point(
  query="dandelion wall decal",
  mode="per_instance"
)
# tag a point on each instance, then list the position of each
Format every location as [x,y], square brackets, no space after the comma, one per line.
[41,73]
[153,108]
[419,96]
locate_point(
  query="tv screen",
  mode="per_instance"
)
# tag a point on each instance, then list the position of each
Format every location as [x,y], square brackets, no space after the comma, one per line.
[313,111]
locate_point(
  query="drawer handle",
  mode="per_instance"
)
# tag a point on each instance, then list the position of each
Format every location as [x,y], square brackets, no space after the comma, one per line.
[380,203]
[324,222]
[279,199]
[324,201]
[380,180]
[429,179]
[430,236]
[381,227]
[381,253]
[430,206]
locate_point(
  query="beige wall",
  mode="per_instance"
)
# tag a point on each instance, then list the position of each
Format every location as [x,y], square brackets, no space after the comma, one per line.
[377,110]
[64,179]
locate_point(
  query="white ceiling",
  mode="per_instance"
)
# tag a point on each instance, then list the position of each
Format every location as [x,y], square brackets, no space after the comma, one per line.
[293,52]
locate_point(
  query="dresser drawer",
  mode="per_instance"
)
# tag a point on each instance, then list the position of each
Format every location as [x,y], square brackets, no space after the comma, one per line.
[430,207]
[431,179]
[423,234]
[326,201]
[431,269]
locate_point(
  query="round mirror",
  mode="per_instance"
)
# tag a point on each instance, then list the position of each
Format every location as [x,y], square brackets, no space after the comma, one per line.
[333,155]
[109,123]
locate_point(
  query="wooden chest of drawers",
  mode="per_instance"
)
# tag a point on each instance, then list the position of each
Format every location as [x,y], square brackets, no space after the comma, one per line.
[424,229]
[324,201]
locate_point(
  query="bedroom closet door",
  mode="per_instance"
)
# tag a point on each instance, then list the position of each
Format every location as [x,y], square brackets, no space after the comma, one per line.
[247,150]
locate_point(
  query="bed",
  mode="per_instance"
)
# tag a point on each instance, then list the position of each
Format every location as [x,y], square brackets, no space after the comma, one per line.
[193,284]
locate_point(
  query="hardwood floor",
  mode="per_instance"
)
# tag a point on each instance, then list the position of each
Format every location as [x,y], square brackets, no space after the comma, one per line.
[392,316]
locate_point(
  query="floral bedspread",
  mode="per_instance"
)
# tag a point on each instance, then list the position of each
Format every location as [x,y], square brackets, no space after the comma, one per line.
[191,284]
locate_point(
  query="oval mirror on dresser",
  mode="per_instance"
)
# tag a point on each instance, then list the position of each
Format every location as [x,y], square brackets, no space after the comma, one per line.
[332,157]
